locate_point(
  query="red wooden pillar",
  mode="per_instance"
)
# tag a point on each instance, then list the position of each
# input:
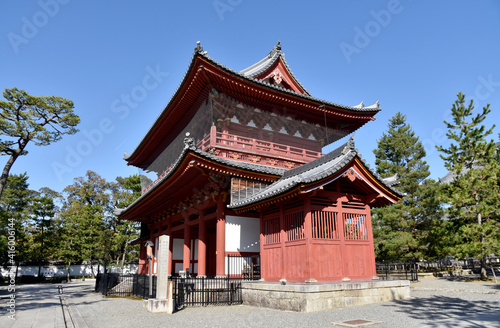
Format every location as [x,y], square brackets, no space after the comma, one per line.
[284,267]
[369,228]
[202,246]
[220,269]
[153,240]
[213,135]
[186,258]
[308,236]
[343,258]
[263,253]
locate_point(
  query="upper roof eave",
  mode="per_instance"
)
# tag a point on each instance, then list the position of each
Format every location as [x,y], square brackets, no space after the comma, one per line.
[256,168]
[199,53]
[319,169]
[267,62]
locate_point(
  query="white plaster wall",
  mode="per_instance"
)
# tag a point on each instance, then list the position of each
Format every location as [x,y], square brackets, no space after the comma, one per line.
[193,244]
[178,249]
[242,234]
[178,253]
[178,267]
[76,270]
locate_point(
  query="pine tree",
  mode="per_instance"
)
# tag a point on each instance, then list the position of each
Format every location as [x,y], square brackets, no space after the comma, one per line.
[26,119]
[402,230]
[473,195]
[42,211]
[126,190]
[86,210]
[14,212]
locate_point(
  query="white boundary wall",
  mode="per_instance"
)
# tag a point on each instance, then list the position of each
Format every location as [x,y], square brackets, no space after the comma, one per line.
[61,270]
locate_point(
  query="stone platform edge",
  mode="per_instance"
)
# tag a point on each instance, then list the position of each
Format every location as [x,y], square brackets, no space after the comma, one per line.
[322,296]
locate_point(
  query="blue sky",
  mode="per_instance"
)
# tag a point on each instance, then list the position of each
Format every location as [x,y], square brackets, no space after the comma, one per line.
[412,56]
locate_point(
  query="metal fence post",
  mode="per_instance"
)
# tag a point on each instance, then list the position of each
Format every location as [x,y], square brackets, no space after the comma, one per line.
[105,284]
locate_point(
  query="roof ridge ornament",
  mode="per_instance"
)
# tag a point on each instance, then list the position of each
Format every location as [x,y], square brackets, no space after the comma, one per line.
[188,141]
[349,145]
[361,105]
[374,106]
[198,48]
[276,49]
[392,180]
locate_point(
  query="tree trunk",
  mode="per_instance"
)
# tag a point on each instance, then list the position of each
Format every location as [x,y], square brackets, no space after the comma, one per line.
[67,272]
[123,255]
[5,172]
[6,169]
[41,257]
[484,273]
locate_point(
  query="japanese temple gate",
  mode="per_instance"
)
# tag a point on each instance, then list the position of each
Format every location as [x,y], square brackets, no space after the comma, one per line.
[239,170]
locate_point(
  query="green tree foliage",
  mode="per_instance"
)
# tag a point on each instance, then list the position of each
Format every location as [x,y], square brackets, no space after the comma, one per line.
[25,118]
[402,230]
[83,220]
[87,229]
[474,193]
[14,214]
[122,232]
[43,210]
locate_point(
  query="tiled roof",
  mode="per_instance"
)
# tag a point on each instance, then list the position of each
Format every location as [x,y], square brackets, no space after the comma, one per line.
[316,170]
[228,162]
[198,51]
[262,65]
[357,108]
[266,62]
[392,180]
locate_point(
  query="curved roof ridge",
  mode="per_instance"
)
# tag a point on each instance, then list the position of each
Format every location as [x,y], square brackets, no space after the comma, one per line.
[265,63]
[292,92]
[316,170]
[188,146]
[198,51]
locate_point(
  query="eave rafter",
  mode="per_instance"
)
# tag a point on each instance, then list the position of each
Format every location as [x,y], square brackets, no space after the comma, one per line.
[204,74]
[287,196]
[216,177]
[290,100]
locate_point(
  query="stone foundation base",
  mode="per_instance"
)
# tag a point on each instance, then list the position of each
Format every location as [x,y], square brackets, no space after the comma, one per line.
[160,305]
[323,296]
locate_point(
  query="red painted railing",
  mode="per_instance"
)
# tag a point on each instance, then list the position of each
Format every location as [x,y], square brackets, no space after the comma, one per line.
[249,145]
[257,146]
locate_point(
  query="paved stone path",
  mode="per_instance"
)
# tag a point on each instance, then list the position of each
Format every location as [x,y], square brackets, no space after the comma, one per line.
[437,302]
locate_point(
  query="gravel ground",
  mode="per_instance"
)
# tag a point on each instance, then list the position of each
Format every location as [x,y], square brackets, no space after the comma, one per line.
[436,302]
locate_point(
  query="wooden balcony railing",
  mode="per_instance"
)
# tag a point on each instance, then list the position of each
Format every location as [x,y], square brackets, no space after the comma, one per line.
[269,150]
[256,146]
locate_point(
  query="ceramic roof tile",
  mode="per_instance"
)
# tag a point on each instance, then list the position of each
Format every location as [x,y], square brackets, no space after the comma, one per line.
[316,170]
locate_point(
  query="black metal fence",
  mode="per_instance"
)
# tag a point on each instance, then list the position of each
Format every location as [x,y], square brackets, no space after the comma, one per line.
[408,268]
[114,284]
[398,270]
[243,267]
[204,291]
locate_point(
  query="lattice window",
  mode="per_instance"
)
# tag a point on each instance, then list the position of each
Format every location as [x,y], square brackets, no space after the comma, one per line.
[272,230]
[242,189]
[294,226]
[324,225]
[355,226]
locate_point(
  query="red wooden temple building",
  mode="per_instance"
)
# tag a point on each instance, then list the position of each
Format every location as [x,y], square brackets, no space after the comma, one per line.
[239,170]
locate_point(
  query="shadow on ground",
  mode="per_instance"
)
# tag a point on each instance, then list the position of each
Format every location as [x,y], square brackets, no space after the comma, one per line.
[438,307]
